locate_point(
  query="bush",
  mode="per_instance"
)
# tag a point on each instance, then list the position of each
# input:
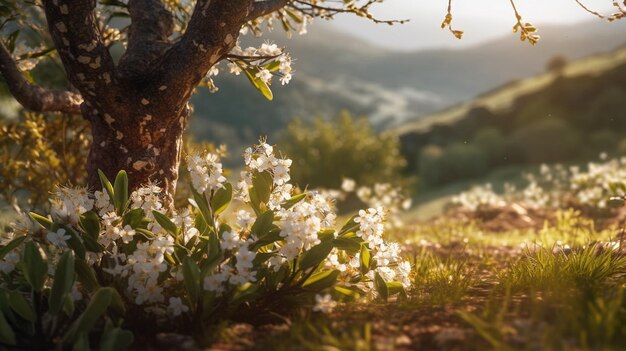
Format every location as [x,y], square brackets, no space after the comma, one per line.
[492,143]
[38,151]
[548,140]
[190,270]
[327,152]
[556,64]
[456,162]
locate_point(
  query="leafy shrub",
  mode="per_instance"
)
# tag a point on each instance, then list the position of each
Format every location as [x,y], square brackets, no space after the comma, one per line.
[455,162]
[327,151]
[547,140]
[492,143]
[38,151]
[188,270]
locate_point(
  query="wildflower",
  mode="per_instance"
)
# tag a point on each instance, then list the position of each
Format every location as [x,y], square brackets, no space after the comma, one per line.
[264,75]
[244,219]
[324,304]
[7,264]
[176,306]
[58,238]
[230,240]
[348,185]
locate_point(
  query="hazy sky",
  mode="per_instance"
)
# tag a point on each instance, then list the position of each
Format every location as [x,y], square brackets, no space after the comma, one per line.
[480,19]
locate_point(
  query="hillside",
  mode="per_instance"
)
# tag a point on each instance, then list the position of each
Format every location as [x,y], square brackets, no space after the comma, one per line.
[570,115]
[337,71]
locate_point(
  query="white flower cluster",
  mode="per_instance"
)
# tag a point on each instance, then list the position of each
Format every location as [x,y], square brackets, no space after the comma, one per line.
[261,158]
[301,224]
[69,204]
[242,272]
[593,185]
[553,187]
[206,172]
[477,197]
[144,253]
[383,195]
[267,59]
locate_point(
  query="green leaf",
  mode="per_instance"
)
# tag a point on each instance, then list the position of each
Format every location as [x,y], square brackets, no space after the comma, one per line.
[121,191]
[287,204]
[116,339]
[44,221]
[244,293]
[98,305]
[86,275]
[396,288]
[90,222]
[214,253]
[381,287]
[91,244]
[272,236]
[22,307]
[63,282]
[365,259]
[81,343]
[221,199]
[68,305]
[11,40]
[191,273]
[348,293]
[350,226]
[11,246]
[326,234]
[166,223]
[106,186]
[350,245]
[75,242]
[263,224]
[320,281]
[133,218]
[261,86]
[35,267]
[316,255]
[261,190]
[7,336]
[273,66]
[203,205]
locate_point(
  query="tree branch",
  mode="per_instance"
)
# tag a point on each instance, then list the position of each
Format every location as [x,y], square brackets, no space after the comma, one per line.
[211,34]
[75,31]
[148,36]
[34,97]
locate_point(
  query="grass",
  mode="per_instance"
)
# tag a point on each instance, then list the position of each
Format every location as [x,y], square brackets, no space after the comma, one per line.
[477,290]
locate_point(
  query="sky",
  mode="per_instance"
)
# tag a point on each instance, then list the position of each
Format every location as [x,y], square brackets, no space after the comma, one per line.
[481,20]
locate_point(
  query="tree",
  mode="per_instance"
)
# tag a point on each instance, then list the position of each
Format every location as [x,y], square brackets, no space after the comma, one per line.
[138,106]
[556,64]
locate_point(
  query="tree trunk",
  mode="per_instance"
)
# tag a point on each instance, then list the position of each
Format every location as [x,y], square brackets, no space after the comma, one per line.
[146,141]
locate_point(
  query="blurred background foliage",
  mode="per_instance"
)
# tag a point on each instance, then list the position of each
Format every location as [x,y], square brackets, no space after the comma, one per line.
[38,151]
[325,152]
[571,114]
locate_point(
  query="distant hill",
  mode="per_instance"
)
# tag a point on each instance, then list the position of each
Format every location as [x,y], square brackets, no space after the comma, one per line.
[568,115]
[336,71]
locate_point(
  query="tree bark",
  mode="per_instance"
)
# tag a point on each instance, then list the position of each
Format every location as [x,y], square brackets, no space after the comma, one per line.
[143,142]
[138,110]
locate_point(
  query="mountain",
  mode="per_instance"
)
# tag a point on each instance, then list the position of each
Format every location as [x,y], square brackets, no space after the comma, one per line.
[571,114]
[336,71]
